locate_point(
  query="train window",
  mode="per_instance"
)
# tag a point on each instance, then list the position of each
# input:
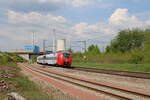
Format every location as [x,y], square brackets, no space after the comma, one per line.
[51,58]
[44,57]
[66,55]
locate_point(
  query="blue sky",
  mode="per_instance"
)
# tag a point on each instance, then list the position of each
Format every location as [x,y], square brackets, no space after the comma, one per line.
[97,21]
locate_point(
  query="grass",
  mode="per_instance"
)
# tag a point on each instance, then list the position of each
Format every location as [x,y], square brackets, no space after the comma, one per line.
[21,84]
[123,67]
[2,96]
[30,90]
[18,83]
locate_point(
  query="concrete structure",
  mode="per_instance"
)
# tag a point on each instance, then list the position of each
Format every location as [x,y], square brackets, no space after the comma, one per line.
[61,45]
[27,54]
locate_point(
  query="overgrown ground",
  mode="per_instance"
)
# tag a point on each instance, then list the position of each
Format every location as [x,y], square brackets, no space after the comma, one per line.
[129,50]
[14,81]
[124,67]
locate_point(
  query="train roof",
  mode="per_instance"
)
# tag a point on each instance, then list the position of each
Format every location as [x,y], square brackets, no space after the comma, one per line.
[50,54]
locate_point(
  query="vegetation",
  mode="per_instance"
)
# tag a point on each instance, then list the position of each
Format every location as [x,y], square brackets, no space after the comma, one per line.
[123,67]
[34,59]
[93,49]
[126,40]
[130,46]
[9,57]
[15,81]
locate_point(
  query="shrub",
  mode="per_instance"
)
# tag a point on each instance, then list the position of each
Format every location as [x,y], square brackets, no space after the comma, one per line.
[34,59]
[9,57]
[136,59]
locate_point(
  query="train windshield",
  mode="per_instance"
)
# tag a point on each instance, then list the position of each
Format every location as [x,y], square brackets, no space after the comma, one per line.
[66,55]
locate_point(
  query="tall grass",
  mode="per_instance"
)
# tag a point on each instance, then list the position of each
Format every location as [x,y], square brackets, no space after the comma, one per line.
[29,89]
[102,58]
[9,57]
[20,84]
[124,67]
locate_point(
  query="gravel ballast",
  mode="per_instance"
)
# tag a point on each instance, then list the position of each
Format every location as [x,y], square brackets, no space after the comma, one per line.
[120,80]
[132,96]
[54,92]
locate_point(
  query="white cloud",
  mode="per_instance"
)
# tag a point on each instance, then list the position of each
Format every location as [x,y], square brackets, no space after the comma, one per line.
[74,3]
[52,1]
[122,19]
[48,5]
[24,24]
[80,28]
[33,18]
[21,26]
[80,3]
[99,30]
[119,19]
[121,16]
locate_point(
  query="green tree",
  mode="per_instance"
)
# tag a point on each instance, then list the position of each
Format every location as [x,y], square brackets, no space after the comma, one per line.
[126,40]
[93,49]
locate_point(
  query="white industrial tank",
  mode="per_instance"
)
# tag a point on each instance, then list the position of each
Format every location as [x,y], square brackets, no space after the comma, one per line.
[61,45]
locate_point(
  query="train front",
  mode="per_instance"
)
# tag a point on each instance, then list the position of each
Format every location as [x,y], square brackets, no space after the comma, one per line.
[64,59]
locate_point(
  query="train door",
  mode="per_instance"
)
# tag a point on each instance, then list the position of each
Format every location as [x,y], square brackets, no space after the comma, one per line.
[53,58]
[44,59]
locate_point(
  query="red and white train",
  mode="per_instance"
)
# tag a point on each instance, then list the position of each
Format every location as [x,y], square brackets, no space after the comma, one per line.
[59,58]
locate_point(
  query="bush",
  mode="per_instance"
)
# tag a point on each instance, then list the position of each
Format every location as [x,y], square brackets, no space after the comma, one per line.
[34,59]
[5,59]
[17,58]
[109,58]
[136,59]
[9,57]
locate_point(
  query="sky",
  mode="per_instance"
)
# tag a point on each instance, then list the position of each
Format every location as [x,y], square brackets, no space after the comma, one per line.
[94,21]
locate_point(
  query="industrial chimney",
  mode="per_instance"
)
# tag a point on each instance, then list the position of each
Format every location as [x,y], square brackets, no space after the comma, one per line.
[61,45]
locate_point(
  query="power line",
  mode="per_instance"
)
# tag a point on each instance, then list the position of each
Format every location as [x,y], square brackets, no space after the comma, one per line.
[74,44]
[84,43]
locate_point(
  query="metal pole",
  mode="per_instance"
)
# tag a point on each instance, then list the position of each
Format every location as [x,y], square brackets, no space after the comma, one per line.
[84,46]
[44,46]
[70,45]
[54,40]
[33,39]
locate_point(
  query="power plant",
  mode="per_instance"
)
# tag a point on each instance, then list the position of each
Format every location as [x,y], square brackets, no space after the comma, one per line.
[61,45]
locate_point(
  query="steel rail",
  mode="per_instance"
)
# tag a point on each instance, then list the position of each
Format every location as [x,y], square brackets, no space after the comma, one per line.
[78,84]
[134,91]
[115,72]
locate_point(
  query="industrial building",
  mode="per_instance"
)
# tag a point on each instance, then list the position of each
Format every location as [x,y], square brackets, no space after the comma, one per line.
[28,51]
[61,45]
[32,48]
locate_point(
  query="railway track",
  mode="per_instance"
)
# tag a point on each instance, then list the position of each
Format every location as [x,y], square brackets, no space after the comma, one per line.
[115,72]
[140,75]
[93,85]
